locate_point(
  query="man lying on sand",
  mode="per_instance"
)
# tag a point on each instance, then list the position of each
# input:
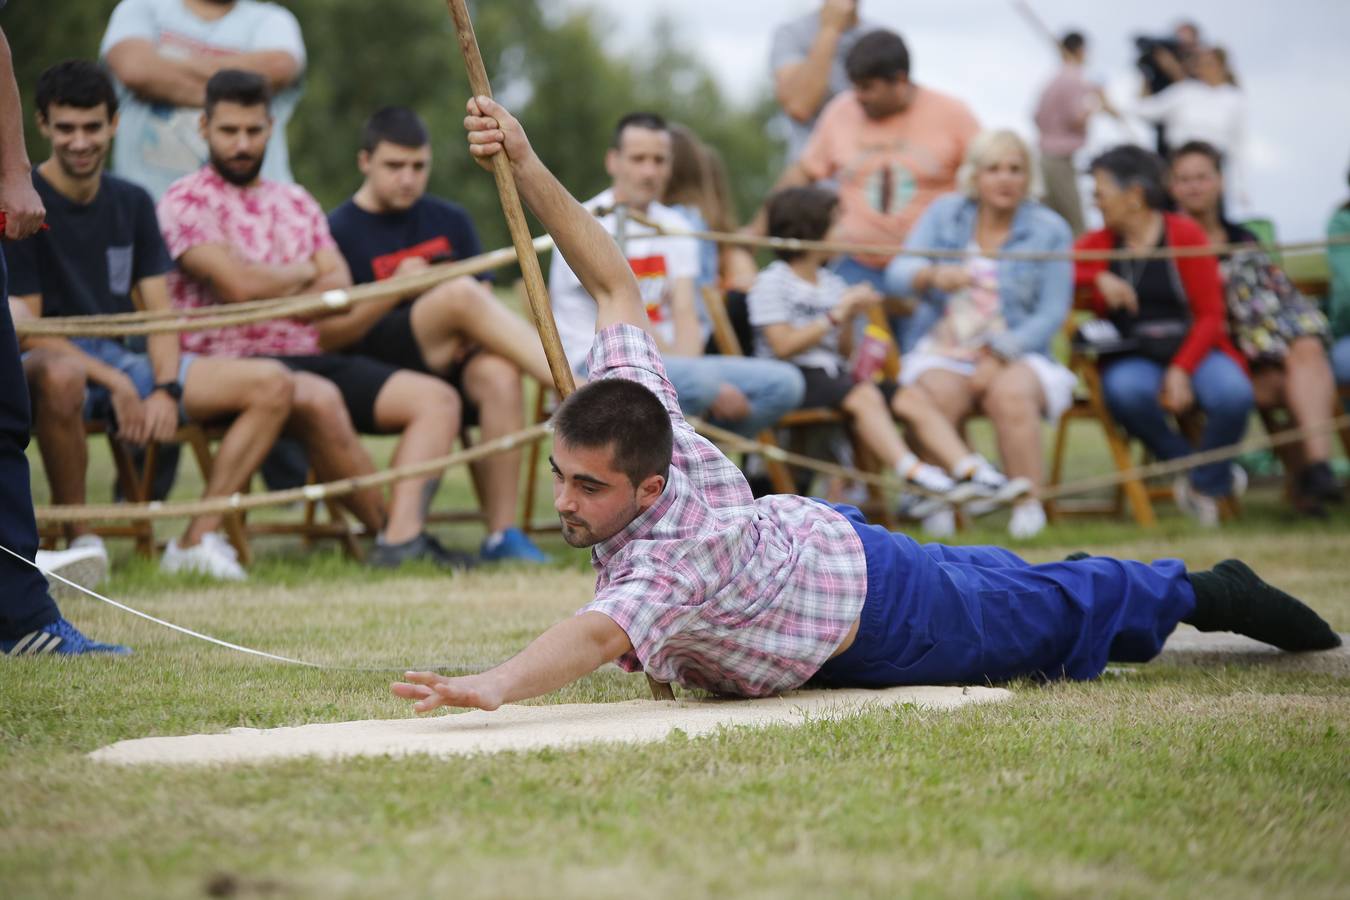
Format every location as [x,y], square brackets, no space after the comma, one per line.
[700,584]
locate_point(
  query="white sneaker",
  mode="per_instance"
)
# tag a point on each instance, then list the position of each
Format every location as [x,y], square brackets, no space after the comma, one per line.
[1239,480]
[1027,520]
[941,524]
[213,556]
[85,562]
[1202,508]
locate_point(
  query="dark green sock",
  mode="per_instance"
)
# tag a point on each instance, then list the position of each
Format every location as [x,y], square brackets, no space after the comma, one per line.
[1231,597]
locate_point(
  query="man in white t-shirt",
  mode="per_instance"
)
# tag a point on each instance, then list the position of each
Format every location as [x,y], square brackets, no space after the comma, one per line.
[743,394]
[163,51]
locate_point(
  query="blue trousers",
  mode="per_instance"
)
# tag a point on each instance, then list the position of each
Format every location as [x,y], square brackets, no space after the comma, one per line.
[1340,360]
[943,615]
[1222,390]
[772,387]
[25,604]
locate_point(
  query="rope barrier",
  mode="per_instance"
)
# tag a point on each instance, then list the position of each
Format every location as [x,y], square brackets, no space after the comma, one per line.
[838,247]
[212,317]
[310,492]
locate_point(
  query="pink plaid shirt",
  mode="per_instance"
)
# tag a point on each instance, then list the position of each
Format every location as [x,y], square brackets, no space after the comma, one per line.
[717,590]
[270,223]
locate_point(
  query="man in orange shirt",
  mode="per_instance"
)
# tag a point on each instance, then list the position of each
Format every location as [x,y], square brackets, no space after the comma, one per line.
[891,146]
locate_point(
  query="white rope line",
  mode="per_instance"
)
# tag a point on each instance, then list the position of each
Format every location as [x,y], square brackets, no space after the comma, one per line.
[238,648]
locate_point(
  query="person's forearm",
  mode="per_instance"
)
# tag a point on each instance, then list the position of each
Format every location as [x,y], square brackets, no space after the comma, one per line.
[569,650]
[684,312]
[13,155]
[96,371]
[260,281]
[802,87]
[786,341]
[346,328]
[279,67]
[163,352]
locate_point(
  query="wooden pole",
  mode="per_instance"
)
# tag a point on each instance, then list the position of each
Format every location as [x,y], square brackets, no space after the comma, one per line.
[535,290]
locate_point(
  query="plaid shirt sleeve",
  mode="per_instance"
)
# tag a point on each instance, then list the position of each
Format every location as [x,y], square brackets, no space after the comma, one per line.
[644,603]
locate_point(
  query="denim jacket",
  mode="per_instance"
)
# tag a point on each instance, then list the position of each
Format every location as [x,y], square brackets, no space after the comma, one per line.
[1036,296]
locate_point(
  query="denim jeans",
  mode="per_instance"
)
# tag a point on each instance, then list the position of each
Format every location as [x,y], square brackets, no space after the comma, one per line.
[1222,391]
[906,329]
[1340,360]
[773,388]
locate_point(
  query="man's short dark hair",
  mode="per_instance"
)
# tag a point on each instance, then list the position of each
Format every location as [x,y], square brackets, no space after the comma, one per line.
[78,83]
[237,86]
[877,54]
[804,213]
[1199,148]
[396,125]
[1072,42]
[648,120]
[1130,166]
[624,416]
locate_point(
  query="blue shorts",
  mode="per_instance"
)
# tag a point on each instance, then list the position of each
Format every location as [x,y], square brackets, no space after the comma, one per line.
[136,366]
[971,615]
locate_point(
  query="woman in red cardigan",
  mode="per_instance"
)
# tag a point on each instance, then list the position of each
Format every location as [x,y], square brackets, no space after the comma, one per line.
[1171,315]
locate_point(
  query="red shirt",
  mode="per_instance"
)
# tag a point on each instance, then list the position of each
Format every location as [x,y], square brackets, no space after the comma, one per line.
[1200,279]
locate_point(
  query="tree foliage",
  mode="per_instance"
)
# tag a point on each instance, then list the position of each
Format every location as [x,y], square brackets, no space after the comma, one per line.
[554,69]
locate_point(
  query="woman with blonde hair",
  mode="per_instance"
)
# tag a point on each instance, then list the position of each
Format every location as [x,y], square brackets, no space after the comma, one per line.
[987,324]
[700,190]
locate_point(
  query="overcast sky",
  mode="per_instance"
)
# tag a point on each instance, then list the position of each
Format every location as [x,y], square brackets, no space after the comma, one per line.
[1290,57]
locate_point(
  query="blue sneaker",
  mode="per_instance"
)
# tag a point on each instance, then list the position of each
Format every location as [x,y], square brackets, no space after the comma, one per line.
[61,638]
[511,545]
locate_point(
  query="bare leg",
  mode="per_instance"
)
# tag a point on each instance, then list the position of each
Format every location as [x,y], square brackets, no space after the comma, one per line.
[258,393]
[426,411]
[1013,402]
[56,382]
[465,309]
[320,420]
[872,423]
[1310,393]
[915,407]
[492,384]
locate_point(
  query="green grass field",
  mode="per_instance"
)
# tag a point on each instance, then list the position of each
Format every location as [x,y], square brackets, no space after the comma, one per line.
[1159,781]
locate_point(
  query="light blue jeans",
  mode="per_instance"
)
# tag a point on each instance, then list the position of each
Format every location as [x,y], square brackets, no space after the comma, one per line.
[1340,360]
[772,387]
[1222,391]
[906,329]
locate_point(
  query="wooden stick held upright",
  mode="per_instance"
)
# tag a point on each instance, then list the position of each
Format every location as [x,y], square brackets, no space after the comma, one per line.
[535,290]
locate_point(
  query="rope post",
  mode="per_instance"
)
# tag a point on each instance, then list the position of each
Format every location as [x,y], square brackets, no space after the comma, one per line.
[535,289]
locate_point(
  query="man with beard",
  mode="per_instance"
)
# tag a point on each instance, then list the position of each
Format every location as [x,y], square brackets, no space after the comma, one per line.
[103,249]
[162,53]
[238,236]
[700,584]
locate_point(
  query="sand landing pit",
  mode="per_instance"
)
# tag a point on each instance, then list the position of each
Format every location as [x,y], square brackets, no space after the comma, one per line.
[526,727]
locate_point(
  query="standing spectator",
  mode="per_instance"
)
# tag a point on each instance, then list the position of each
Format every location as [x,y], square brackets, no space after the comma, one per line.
[1282,334]
[1172,312]
[807,59]
[237,236]
[806,314]
[1062,114]
[105,246]
[30,622]
[457,331]
[1209,107]
[893,145]
[164,51]
[990,350]
[747,395]
[1339,257]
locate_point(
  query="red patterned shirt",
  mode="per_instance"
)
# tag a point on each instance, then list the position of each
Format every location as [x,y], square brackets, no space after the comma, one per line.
[717,590]
[270,223]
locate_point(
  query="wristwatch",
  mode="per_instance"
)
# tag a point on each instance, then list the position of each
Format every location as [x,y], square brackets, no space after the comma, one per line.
[172,388]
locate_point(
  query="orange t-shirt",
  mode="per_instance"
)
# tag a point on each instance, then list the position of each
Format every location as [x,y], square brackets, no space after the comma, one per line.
[888,170]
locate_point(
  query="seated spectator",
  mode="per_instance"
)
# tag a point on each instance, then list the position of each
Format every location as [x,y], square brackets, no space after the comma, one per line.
[102,249]
[698,190]
[163,51]
[1170,314]
[1282,334]
[806,314]
[237,237]
[1339,304]
[990,350]
[457,331]
[746,395]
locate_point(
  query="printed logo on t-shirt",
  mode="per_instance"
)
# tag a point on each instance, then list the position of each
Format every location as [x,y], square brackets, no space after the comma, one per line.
[438,249]
[651,278]
[890,188]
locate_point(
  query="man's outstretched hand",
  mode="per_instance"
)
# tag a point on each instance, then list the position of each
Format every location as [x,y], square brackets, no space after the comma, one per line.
[491,129]
[429,691]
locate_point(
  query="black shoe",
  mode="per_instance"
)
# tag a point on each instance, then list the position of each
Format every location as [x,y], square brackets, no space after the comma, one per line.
[422,547]
[1077,555]
[1317,482]
[1231,597]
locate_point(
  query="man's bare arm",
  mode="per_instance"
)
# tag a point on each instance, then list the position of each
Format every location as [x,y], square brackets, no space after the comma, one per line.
[583,241]
[569,650]
[236,280]
[18,199]
[684,313]
[801,87]
[182,82]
